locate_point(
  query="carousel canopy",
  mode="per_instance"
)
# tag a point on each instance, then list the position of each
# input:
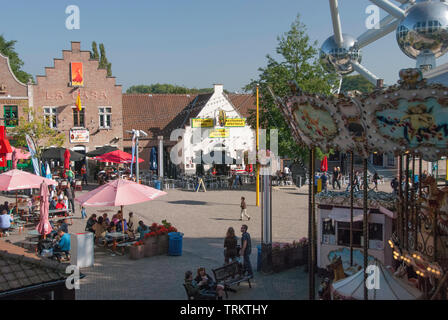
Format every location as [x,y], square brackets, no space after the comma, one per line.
[391,288]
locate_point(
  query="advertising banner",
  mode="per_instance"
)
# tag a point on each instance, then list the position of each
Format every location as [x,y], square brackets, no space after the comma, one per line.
[235,122]
[79,136]
[76,74]
[219,133]
[202,123]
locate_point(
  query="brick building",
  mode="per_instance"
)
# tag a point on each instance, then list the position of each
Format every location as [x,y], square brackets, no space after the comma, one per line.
[159,114]
[99,122]
[15,96]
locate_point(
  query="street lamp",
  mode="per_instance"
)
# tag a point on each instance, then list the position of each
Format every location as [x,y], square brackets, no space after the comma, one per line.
[136,134]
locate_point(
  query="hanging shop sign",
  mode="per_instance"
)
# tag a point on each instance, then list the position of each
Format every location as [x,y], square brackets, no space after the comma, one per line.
[219,133]
[76,74]
[235,122]
[79,136]
[202,123]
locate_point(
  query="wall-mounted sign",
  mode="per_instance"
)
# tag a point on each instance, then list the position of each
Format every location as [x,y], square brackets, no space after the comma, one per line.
[202,123]
[222,118]
[219,133]
[235,122]
[76,74]
[79,136]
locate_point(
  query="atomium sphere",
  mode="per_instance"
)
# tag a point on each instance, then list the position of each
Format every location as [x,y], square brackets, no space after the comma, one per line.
[424,30]
[337,59]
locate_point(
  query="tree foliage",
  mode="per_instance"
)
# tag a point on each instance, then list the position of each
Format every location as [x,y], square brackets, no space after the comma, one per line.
[356,82]
[39,130]
[103,62]
[298,61]
[7,49]
[166,88]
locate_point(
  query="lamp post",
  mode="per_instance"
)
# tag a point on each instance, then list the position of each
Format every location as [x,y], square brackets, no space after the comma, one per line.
[137,134]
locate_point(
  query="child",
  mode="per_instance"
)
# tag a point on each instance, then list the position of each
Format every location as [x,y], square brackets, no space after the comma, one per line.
[83,212]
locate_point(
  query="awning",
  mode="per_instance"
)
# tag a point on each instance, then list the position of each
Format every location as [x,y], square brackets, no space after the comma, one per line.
[343,214]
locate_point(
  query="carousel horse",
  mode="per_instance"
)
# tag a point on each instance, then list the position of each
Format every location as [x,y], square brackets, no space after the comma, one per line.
[337,268]
[437,200]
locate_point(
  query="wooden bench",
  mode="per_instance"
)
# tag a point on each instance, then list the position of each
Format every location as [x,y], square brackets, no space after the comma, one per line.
[229,275]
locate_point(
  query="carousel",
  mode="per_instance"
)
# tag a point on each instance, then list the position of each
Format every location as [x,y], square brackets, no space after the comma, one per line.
[410,120]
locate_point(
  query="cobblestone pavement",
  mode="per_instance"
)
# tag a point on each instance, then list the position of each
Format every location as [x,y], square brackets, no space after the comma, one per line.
[204,219]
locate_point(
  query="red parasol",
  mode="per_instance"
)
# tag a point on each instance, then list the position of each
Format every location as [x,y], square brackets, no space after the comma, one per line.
[324,164]
[66,159]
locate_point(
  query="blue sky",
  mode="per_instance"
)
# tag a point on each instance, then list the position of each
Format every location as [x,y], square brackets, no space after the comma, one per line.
[186,42]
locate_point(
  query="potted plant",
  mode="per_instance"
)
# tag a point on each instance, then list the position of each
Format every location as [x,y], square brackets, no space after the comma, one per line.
[137,250]
[278,261]
[150,242]
[162,241]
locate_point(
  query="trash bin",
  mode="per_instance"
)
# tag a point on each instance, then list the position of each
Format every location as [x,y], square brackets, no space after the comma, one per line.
[157,185]
[82,249]
[259,258]
[175,243]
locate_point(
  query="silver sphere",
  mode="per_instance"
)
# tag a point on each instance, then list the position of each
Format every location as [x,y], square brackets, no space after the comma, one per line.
[424,30]
[335,59]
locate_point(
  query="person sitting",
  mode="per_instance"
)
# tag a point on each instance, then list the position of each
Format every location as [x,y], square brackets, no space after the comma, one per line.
[205,282]
[53,203]
[106,219]
[90,223]
[63,245]
[121,225]
[60,205]
[142,229]
[64,226]
[198,291]
[230,245]
[100,230]
[131,222]
[5,222]
[5,206]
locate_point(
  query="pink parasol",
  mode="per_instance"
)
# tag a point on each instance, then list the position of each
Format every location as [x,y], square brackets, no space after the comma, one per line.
[66,159]
[44,226]
[17,179]
[119,193]
[117,156]
[20,154]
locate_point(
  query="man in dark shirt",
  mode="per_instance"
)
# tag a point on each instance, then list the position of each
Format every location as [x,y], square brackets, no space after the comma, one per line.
[246,249]
[324,181]
[69,192]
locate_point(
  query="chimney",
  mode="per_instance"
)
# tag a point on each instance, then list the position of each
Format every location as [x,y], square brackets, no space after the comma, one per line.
[218,88]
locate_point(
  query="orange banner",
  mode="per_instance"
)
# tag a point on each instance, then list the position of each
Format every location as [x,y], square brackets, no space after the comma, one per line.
[77,78]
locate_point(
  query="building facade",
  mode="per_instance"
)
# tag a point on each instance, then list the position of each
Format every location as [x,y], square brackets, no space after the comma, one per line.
[99,122]
[159,115]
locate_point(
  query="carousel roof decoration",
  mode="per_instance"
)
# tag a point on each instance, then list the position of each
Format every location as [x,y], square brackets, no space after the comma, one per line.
[409,117]
[376,199]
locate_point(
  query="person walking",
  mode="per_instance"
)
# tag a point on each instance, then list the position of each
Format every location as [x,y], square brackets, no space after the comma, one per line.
[375,178]
[244,209]
[83,213]
[246,250]
[394,185]
[230,244]
[324,180]
[334,178]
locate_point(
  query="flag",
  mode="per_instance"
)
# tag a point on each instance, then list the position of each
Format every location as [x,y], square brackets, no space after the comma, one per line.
[133,151]
[78,102]
[32,149]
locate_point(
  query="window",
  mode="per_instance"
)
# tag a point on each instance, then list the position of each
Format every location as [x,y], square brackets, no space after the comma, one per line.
[50,117]
[344,233]
[376,231]
[11,116]
[105,114]
[328,231]
[78,117]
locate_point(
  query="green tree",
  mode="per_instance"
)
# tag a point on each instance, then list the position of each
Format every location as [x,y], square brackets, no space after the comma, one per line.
[356,82]
[166,89]
[103,62]
[39,130]
[298,61]
[94,53]
[7,49]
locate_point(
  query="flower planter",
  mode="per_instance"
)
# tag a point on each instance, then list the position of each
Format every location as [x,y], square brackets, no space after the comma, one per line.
[162,244]
[150,246]
[278,260]
[137,252]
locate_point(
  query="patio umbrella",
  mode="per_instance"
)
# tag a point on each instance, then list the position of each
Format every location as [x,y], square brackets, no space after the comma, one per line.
[153,159]
[117,193]
[66,159]
[324,164]
[44,226]
[117,156]
[58,154]
[101,151]
[20,154]
[18,180]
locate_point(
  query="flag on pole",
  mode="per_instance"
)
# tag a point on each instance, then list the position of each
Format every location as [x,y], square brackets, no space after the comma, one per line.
[133,151]
[78,102]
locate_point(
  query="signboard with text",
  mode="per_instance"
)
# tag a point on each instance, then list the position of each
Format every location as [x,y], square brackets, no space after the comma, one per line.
[201,123]
[219,133]
[79,136]
[235,122]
